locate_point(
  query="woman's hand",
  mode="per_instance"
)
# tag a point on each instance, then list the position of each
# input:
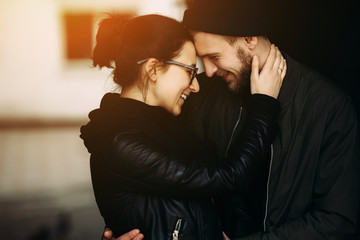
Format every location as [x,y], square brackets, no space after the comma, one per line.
[269,80]
[132,235]
[225,236]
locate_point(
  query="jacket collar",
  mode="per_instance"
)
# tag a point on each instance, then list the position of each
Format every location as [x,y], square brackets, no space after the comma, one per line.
[290,82]
[115,107]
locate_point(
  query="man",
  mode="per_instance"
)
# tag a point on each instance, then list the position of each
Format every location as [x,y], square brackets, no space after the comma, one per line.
[310,189]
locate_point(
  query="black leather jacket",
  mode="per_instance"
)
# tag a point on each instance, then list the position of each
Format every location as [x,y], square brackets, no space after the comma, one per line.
[151,173]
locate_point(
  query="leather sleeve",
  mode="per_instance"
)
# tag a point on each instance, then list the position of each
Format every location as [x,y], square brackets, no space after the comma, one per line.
[147,166]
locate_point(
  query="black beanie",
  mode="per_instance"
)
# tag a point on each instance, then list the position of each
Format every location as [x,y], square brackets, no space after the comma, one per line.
[237,18]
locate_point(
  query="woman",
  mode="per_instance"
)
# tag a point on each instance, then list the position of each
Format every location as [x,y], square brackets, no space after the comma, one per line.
[148,171]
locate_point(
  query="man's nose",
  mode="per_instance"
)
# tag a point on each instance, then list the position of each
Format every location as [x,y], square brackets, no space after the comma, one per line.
[210,68]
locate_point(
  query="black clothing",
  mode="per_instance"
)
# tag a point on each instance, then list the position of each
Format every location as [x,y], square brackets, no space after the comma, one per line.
[312,186]
[150,172]
[218,17]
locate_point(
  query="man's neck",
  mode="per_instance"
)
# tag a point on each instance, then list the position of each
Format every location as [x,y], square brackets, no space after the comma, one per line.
[263,50]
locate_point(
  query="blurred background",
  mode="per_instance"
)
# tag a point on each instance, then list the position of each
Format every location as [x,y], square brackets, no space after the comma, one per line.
[48,87]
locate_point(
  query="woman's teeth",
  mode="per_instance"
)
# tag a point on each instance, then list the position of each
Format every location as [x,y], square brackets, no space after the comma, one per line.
[183,96]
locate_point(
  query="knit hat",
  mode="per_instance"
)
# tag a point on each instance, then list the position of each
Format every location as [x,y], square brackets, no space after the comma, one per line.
[237,18]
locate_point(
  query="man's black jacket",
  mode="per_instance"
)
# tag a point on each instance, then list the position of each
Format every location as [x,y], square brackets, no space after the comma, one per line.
[310,188]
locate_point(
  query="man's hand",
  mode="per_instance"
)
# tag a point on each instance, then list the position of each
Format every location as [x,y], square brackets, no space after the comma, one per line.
[132,235]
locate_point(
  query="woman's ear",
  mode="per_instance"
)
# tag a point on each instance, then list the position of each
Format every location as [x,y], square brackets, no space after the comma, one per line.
[151,68]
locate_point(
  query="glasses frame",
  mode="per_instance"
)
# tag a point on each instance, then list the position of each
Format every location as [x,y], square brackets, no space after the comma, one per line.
[194,69]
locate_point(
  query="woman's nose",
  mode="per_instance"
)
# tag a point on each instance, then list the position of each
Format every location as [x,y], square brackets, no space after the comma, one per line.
[194,86]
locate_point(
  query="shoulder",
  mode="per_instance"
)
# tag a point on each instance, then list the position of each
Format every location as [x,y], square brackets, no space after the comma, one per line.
[323,95]
[319,90]
[315,95]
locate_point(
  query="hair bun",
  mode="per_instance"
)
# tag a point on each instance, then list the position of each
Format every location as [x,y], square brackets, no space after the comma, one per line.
[108,40]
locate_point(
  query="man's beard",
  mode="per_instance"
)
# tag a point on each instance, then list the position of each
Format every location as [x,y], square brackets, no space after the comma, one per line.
[242,82]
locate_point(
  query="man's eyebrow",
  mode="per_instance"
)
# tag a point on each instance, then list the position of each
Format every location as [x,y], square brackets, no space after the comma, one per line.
[209,55]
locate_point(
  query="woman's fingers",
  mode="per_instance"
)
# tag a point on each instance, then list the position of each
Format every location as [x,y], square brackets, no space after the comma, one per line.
[281,65]
[225,236]
[269,80]
[107,235]
[255,68]
[278,59]
[270,59]
[254,77]
[283,72]
[132,235]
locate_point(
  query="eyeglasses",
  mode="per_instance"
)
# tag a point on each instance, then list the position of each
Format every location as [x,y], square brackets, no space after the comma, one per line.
[193,73]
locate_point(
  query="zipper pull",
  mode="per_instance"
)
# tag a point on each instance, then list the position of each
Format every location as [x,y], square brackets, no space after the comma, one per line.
[177,229]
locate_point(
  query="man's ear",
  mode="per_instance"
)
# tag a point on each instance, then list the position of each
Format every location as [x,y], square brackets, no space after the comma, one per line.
[251,42]
[151,68]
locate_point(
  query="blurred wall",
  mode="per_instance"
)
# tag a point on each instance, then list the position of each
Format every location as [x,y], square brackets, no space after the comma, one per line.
[37,81]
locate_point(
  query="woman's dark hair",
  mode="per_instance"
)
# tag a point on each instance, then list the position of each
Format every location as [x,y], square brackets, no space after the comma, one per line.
[121,43]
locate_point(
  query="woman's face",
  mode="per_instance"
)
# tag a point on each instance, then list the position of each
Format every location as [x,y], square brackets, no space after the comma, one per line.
[173,85]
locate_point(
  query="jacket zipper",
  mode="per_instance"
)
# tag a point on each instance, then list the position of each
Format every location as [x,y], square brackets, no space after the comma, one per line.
[233,132]
[267,188]
[177,229]
[232,136]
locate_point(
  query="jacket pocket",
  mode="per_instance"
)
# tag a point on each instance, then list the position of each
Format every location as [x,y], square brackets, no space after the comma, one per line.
[177,229]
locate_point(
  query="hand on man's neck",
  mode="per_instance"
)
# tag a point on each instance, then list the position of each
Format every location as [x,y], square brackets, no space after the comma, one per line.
[263,50]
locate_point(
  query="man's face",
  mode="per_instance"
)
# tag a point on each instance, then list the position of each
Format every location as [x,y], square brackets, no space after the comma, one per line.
[224,59]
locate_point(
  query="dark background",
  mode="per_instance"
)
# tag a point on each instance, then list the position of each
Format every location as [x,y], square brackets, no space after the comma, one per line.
[323,35]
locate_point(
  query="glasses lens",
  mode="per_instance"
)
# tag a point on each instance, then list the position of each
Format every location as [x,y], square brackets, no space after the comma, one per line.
[193,70]
[193,75]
